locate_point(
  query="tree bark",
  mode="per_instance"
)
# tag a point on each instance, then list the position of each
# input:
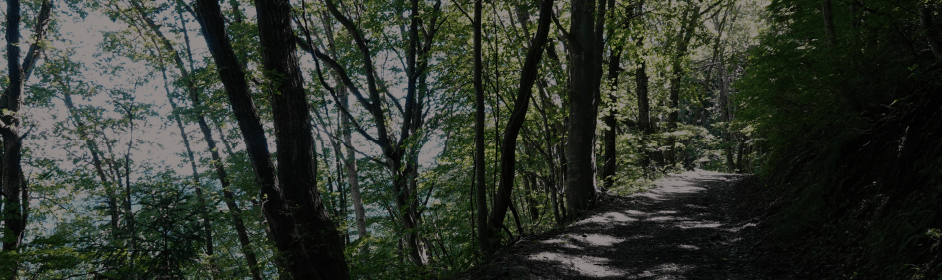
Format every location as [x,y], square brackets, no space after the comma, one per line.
[14,223]
[529,184]
[644,109]
[611,134]
[131,225]
[688,27]
[352,179]
[518,116]
[228,197]
[727,116]
[550,152]
[585,75]
[308,244]
[345,127]
[829,32]
[399,154]
[204,209]
[479,166]
[96,159]
[928,26]
[316,250]
[14,192]
[741,149]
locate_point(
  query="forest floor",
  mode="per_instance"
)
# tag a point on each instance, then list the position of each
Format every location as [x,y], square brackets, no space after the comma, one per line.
[693,225]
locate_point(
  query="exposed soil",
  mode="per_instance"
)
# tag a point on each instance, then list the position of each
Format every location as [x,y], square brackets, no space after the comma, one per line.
[694,225]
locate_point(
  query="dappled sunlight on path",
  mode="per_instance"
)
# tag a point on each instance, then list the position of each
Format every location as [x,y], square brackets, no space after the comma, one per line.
[676,230]
[585,265]
[632,258]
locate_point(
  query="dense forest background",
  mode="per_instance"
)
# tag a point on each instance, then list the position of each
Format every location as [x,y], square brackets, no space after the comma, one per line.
[332,139]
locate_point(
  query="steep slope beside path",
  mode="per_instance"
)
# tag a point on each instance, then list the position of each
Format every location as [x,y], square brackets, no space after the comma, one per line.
[688,227]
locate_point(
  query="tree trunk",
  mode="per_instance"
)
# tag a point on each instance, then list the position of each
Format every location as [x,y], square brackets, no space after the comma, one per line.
[644,111]
[553,194]
[611,135]
[479,166]
[529,182]
[352,179]
[15,195]
[349,160]
[305,233]
[518,116]
[549,135]
[726,116]
[96,159]
[688,27]
[550,154]
[829,32]
[932,35]
[584,70]
[308,243]
[399,153]
[204,210]
[562,181]
[739,156]
[228,197]
[644,108]
[128,208]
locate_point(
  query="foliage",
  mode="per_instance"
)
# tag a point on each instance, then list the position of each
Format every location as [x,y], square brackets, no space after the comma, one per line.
[114,194]
[850,126]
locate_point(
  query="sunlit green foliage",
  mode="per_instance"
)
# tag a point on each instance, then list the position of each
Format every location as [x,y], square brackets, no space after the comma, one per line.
[135,213]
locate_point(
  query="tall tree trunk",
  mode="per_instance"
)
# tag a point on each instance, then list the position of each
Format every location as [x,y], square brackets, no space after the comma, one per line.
[131,225]
[550,152]
[308,243]
[479,166]
[518,116]
[585,73]
[741,149]
[553,195]
[398,153]
[611,134]
[644,108]
[726,115]
[96,158]
[204,209]
[228,197]
[562,181]
[350,162]
[689,22]
[316,250]
[15,199]
[829,32]
[529,184]
[352,179]
[932,34]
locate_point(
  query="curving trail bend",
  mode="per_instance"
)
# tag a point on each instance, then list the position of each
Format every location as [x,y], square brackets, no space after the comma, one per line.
[690,226]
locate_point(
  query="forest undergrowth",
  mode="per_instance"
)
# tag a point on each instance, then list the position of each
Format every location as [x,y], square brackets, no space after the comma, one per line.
[867,207]
[849,111]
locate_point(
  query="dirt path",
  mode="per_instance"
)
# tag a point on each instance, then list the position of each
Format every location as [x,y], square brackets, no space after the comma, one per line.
[690,226]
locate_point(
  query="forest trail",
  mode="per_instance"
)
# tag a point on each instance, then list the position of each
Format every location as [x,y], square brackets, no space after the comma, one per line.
[694,225]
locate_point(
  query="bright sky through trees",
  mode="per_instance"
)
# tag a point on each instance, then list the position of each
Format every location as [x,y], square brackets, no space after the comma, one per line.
[145,153]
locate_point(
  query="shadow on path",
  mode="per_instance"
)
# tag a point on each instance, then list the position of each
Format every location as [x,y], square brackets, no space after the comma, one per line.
[681,229]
